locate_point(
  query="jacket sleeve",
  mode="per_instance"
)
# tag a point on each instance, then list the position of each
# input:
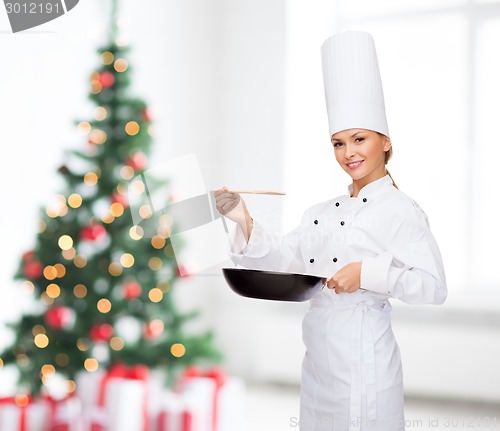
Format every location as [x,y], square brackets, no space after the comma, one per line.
[411,268]
[266,251]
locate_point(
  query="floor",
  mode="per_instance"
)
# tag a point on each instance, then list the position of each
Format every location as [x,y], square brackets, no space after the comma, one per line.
[275,408]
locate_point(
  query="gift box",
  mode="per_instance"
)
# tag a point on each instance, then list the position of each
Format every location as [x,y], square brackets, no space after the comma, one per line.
[231,405]
[115,400]
[124,399]
[24,414]
[177,413]
[65,414]
[87,388]
[42,414]
[216,400]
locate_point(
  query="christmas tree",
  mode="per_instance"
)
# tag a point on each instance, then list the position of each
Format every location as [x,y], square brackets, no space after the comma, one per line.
[103,288]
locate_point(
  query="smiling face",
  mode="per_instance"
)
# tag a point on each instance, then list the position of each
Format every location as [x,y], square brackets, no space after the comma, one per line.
[361,153]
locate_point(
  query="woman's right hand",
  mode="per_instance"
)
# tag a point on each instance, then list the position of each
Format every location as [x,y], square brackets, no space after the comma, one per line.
[232,206]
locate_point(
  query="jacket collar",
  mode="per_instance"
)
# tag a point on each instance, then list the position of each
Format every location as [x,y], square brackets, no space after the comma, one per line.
[373,187]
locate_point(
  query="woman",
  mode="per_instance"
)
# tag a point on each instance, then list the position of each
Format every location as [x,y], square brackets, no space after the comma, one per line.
[370,245]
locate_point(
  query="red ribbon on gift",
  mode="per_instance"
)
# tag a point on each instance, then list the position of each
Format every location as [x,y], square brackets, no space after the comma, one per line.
[54,423]
[22,405]
[187,421]
[119,370]
[218,376]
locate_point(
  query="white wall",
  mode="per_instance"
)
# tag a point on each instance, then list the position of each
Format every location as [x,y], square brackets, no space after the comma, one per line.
[217,78]
[43,88]
[212,74]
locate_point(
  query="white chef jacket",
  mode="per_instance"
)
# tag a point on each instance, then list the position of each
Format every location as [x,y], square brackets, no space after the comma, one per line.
[351,372]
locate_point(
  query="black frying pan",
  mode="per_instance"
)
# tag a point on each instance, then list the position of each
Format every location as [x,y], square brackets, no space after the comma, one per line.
[278,286]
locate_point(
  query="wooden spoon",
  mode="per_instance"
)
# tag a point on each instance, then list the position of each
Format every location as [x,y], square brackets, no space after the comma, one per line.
[257,192]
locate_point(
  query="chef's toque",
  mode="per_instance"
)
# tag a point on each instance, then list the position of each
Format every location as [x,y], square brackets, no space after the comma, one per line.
[353,87]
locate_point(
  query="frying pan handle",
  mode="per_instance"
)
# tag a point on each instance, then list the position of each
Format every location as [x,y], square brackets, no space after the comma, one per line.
[326,280]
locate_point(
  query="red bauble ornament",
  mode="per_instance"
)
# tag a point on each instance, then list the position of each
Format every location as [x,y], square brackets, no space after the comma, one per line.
[182,271]
[120,199]
[33,270]
[146,114]
[131,290]
[28,256]
[137,161]
[153,329]
[106,79]
[93,232]
[101,332]
[59,317]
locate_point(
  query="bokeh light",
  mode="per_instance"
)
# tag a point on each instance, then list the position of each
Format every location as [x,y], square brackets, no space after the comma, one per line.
[145,211]
[71,386]
[127,172]
[80,291]
[98,136]
[48,370]
[83,128]
[104,305]
[132,128]
[107,57]
[100,113]
[178,350]
[137,187]
[74,200]
[62,359]
[29,286]
[53,290]
[50,272]
[69,254]
[90,178]
[65,242]
[155,263]
[116,209]
[136,232]
[121,65]
[163,285]
[116,343]
[91,365]
[41,341]
[22,400]
[46,299]
[155,295]
[107,217]
[82,345]
[127,260]
[38,329]
[158,242]
[115,269]
[80,261]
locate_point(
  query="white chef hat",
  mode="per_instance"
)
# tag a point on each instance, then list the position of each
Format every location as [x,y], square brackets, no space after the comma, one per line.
[353,87]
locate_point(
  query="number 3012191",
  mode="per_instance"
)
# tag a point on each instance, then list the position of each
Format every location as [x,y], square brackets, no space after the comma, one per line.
[32,8]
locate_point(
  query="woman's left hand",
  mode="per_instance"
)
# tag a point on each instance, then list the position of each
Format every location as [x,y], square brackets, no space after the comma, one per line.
[347,279]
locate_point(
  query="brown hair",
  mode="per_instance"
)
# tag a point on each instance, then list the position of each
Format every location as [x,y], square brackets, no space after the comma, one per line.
[388,155]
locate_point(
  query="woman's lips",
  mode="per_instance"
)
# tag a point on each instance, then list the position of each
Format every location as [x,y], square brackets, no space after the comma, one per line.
[354,165]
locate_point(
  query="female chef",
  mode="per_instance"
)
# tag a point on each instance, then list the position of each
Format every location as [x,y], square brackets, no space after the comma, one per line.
[372,244]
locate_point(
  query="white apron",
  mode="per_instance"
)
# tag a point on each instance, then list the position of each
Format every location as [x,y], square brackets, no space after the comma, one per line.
[351,375]
[351,354]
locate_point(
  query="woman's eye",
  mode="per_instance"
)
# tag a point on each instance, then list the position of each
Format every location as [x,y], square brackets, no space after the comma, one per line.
[359,139]
[337,144]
